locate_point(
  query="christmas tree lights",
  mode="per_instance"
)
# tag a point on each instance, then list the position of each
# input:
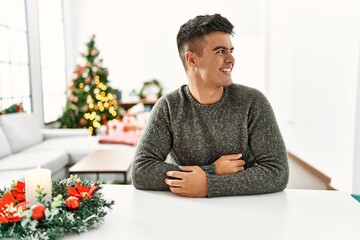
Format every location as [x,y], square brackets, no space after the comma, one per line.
[91,101]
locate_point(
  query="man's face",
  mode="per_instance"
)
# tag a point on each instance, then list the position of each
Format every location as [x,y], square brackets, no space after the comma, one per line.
[214,66]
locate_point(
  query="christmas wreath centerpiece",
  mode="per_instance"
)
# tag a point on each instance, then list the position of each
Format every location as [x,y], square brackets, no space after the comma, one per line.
[77,207]
[151,89]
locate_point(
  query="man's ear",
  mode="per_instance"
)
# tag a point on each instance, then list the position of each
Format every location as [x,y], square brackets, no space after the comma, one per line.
[190,59]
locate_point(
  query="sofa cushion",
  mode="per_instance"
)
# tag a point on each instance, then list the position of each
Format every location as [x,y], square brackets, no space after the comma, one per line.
[77,147]
[21,129]
[53,160]
[4,145]
[6,178]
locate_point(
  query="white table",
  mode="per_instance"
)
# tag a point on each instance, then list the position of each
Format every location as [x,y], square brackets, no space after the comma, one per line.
[290,215]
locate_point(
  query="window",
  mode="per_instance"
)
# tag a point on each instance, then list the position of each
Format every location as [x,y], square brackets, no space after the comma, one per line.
[52,50]
[14,61]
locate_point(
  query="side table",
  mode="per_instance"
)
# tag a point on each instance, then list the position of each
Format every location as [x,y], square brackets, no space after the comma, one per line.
[105,161]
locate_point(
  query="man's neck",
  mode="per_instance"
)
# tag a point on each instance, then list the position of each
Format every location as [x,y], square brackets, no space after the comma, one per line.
[206,96]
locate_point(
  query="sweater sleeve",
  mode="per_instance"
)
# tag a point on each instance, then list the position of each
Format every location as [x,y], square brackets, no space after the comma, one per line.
[149,167]
[270,172]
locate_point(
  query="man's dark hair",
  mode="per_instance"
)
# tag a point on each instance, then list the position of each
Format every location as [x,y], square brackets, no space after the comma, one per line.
[191,34]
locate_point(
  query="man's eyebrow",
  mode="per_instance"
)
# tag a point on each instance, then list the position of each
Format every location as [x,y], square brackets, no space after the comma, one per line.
[222,47]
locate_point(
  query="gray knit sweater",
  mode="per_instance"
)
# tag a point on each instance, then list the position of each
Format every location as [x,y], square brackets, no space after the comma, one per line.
[188,134]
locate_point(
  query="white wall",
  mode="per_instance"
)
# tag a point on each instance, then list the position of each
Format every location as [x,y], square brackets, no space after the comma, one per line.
[137,38]
[34,60]
[304,54]
[314,71]
[356,167]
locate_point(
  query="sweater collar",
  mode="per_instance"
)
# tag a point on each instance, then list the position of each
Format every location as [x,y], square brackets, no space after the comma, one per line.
[197,104]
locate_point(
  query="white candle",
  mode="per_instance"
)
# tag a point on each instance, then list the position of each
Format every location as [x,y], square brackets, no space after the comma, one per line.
[37,177]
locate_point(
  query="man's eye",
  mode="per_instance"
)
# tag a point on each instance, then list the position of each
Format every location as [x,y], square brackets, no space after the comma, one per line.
[221,51]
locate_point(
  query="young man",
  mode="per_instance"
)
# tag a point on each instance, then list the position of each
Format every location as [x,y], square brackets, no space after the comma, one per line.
[221,138]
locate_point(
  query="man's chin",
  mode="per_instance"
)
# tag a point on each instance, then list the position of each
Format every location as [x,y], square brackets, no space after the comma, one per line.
[228,83]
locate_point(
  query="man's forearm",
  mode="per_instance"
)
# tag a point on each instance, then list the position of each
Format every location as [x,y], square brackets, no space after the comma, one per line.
[150,174]
[271,176]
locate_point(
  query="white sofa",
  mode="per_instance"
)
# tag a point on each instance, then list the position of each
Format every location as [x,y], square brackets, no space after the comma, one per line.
[25,145]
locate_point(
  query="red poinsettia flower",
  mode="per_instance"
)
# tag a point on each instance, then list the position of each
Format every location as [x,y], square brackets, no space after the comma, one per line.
[19,191]
[9,209]
[82,192]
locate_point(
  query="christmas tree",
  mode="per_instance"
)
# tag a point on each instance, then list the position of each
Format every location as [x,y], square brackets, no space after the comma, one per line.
[91,101]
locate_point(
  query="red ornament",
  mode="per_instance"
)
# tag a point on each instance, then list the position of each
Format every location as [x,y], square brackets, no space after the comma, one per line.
[93,52]
[83,121]
[38,211]
[72,203]
[79,70]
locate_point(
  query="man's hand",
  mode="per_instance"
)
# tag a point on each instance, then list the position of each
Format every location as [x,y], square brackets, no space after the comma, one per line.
[229,164]
[192,182]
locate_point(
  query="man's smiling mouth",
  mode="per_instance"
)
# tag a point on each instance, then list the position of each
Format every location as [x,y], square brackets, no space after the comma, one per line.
[227,70]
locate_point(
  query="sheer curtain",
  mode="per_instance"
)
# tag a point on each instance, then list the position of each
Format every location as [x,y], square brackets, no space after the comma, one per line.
[14,63]
[52,50]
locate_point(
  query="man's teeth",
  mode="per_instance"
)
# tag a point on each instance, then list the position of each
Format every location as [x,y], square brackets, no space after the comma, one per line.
[226,69]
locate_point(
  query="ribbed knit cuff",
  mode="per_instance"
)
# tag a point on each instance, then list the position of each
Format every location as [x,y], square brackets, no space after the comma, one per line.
[215,185]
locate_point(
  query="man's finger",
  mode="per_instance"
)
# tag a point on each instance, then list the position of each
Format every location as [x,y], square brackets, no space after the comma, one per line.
[175,174]
[234,157]
[176,190]
[187,168]
[239,169]
[179,191]
[240,163]
[173,183]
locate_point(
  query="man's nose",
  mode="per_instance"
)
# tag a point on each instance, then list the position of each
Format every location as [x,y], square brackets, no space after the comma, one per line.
[230,58]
